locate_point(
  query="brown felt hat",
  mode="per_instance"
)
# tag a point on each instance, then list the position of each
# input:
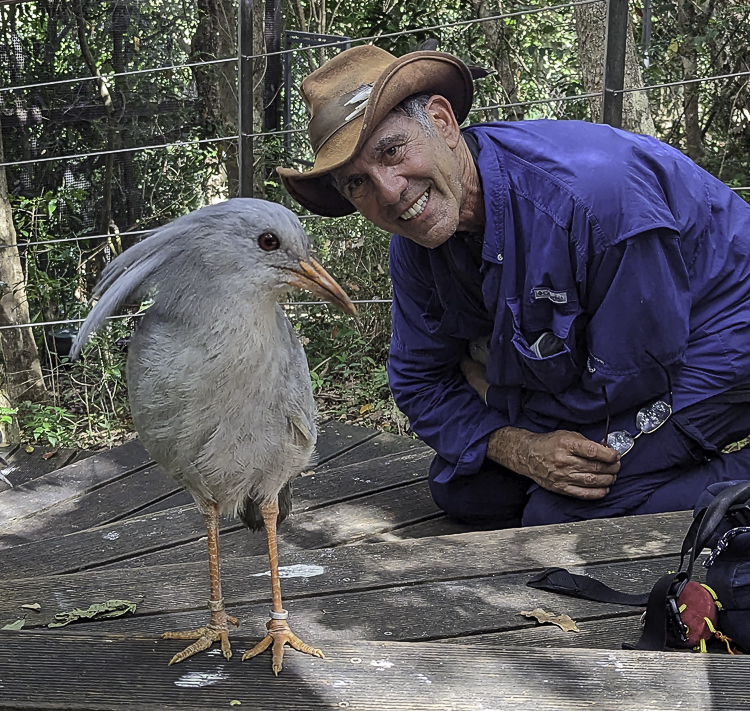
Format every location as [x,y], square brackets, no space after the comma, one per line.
[349,96]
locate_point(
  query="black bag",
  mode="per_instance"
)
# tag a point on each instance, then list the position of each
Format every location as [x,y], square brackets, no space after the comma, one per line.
[679,611]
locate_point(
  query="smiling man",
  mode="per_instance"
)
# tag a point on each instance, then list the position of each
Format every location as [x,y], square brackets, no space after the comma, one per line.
[571,315]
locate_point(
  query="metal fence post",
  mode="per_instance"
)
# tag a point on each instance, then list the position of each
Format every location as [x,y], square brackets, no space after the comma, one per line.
[245,98]
[614,62]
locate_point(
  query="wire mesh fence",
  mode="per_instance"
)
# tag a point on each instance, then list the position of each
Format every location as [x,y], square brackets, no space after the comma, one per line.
[118,115]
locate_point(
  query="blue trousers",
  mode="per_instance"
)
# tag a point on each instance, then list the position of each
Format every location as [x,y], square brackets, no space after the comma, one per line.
[665,471]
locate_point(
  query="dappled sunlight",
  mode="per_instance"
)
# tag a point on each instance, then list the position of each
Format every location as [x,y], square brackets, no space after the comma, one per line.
[32,528]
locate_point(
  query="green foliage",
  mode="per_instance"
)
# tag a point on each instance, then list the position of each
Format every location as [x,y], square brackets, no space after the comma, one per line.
[62,199]
[7,414]
[48,424]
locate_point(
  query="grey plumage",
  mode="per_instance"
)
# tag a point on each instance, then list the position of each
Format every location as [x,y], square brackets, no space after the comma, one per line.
[218,382]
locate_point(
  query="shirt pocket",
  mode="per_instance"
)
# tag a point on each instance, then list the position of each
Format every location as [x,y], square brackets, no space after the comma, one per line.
[559,370]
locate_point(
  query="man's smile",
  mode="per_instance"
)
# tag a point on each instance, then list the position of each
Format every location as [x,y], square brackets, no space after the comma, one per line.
[417,208]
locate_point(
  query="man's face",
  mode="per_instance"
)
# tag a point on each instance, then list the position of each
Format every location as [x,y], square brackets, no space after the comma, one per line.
[407,180]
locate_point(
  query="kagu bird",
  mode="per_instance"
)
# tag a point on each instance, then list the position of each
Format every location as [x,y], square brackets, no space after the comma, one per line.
[218,383]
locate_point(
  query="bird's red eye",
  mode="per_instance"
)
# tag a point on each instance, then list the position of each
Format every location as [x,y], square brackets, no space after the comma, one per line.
[268,241]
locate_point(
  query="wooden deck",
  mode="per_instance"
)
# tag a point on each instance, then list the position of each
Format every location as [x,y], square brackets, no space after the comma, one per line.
[413,611]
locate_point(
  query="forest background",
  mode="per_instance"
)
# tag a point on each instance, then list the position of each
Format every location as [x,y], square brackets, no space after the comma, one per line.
[119,115]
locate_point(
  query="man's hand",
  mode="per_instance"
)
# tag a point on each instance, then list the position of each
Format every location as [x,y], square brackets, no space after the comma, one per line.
[562,462]
[475,375]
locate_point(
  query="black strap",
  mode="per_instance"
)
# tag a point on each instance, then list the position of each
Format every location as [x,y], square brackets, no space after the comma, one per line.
[662,612]
[713,516]
[559,580]
[658,617]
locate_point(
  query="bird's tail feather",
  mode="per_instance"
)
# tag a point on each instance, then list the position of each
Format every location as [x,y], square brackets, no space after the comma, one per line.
[250,513]
[126,278]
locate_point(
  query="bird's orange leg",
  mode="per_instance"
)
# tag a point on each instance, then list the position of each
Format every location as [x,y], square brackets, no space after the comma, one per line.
[279,632]
[217,629]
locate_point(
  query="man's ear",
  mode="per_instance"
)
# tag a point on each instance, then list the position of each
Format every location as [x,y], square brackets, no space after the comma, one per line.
[441,114]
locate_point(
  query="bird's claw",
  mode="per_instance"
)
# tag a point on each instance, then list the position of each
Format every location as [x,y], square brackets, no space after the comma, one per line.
[205,637]
[279,634]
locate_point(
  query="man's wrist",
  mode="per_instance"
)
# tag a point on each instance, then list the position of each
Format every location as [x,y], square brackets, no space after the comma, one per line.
[508,446]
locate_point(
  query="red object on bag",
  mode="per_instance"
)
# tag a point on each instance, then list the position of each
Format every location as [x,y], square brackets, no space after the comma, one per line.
[696,605]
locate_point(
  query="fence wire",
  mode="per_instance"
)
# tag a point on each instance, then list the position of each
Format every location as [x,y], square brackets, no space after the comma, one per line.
[114,76]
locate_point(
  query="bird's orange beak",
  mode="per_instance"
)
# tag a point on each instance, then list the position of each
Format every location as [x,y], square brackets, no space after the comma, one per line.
[314,278]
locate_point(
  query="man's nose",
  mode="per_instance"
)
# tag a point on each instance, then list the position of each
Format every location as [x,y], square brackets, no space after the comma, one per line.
[389,186]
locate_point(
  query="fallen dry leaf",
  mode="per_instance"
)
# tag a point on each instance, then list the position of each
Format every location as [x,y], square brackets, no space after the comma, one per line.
[565,623]
[97,611]
[28,449]
[365,408]
[49,455]
[14,626]
[36,607]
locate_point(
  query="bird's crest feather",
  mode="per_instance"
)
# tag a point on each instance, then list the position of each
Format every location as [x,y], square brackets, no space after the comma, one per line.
[128,278]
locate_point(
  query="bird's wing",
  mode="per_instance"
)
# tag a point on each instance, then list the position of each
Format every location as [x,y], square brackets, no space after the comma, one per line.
[301,432]
[299,400]
[128,277]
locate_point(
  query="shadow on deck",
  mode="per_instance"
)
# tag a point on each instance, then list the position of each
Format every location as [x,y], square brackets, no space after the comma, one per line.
[413,611]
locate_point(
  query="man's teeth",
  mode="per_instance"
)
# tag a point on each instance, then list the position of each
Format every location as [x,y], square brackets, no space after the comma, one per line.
[416,208]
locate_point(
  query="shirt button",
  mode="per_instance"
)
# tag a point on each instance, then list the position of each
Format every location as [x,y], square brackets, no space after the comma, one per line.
[499,257]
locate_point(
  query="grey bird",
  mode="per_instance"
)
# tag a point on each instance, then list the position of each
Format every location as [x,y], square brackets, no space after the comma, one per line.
[218,382]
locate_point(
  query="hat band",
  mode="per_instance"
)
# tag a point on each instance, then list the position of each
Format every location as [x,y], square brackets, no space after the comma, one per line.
[336,114]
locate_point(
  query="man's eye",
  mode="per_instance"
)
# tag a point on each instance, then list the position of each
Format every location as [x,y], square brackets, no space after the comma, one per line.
[354,185]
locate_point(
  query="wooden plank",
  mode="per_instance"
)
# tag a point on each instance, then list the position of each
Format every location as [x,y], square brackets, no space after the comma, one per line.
[109,503]
[415,612]
[142,492]
[176,534]
[149,533]
[384,448]
[179,498]
[337,524]
[25,466]
[478,555]
[71,481]
[131,675]
[597,633]
[439,526]
[305,531]
[336,438]
[383,444]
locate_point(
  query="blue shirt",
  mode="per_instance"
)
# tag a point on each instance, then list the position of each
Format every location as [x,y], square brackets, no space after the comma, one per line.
[618,244]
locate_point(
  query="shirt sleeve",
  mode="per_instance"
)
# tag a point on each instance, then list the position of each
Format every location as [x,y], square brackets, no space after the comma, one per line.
[424,373]
[641,302]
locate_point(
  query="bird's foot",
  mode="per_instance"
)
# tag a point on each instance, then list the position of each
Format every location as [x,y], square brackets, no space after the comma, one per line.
[215,631]
[279,634]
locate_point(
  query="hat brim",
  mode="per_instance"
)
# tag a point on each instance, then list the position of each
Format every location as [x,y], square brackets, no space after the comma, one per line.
[414,73]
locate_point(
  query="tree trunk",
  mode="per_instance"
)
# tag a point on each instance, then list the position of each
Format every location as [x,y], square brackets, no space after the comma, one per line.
[591,25]
[260,67]
[109,160]
[129,214]
[689,57]
[21,371]
[216,38]
[495,32]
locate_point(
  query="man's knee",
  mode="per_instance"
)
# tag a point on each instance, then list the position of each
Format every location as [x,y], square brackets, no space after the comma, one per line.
[493,497]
